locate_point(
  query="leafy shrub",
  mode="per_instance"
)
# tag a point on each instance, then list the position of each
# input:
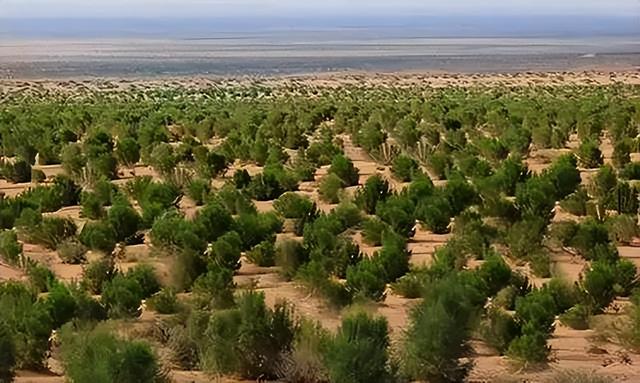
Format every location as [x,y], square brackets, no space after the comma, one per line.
[127,151]
[255,228]
[241,179]
[435,214]
[439,331]
[564,175]
[265,187]
[263,254]
[405,168]
[540,261]
[71,251]
[41,278]
[92,206]
[599,283]
[250,340]
[589,154]
[358,352]
[590,233]
[367,280]
[10,248]
[38,176]
[530,348]
[124,220]
[17,172]
[576,203]
[290,255]
[498,329]
[631,171]
[348,214]
[198,190]
[398,212]
[225,251]
[329,188]
[99,356]
[374,190]
[342,167]
[96,273]
[305,363]
[212,221]
[122,296]
[98,236]
[372,231]
[7,354]
[626,277]
[577,317]
[494,273]
[164,302]
[146,277]
[214,289]
[293,205]
[411,285]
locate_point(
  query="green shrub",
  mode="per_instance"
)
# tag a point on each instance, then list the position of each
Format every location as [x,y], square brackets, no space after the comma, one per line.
[348,213]
[342,167]
[589,154]
[506,298]
[305,363]
[146,277]
[410,286]
[263,254]
[96,273]
[631,171]
[41,278]
[49,232]
[98,236]
[225,251]
[188,264]
[214,289]
[439,331]
[122,296]
[99,356]
[330,188]
[498,329]
[164,302]
[29,322]
[366,280]
[599,283]
[372,231]
[198,190]
[530,349]
[524,237]
[590,233]
[17,172]
[92,206]
[540,262]
[293,205]
[398,212]
[10,248]
[38,176]
[124,220]
[626,277]
[255,228]
[61,304]
[405,168]
[250,340]
[241,179]
[290,255]
[359,351]
[212,221]
[564,175]
[374,190]
[265,187]
[576,203]
[127,151]
[494,273]
[577,317]
[71,251]
[7,354]
[435,214]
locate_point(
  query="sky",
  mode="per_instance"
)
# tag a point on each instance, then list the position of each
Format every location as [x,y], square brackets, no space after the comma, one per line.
[300,8]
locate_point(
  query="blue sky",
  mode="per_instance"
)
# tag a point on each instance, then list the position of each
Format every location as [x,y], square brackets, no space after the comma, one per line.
[297,8]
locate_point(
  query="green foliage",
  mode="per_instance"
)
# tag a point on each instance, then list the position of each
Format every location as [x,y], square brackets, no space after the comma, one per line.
[530,348]
[405,168]
[96,273]
[124,220]
[127,152]
[255,228]
[358,352]
[7,354]
[398,212]
[98,236]
[366,280]
[225,251]
[498,329]
[198,190]
[374,190]
[10,248]
[164,302]
[122,296]
[564,175]
[99,356]
[372,231]
[293,205]
[263,254]
[214,289]
[342,167]
[589,154]
[577,317]
[330,188]
[439,331]
[249,340]
[290,255]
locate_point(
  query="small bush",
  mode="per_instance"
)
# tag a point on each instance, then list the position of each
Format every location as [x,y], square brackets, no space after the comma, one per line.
[71,251]
[99,356]
[342,167]
[410,286]
[96,273]
[358,353]
[348,214]
[404,168]
[372,231]
[124,220]
[305,363]
[41,278]
[10,248]
[576,203]
[374,190]
[292,205]
[7,354]
[98,236]
[330,188]
[122,297]
[498,329]
[530,349]
[589,154]
[263,254]
[164,302]
[92,206]
[290,255]
[198,190]
[599,283]
[214,289]
[225,251]
[146,277]
[241,179]
[367,280]
[51,231]
[577,317]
